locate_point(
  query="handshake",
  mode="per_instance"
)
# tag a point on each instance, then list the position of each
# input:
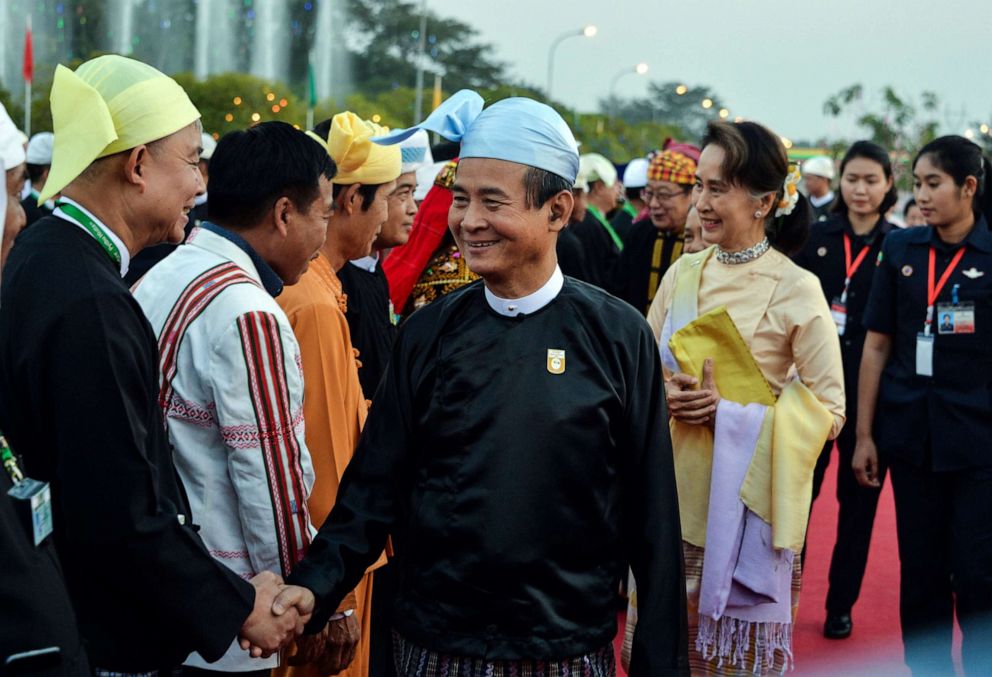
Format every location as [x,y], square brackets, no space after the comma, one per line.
[281,611]
[279,615]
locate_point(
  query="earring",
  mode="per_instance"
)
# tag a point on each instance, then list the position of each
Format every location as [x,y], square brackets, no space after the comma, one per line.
[758,214]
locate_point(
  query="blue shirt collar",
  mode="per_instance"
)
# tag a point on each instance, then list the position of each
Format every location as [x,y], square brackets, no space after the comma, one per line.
[979,237]
[270,280]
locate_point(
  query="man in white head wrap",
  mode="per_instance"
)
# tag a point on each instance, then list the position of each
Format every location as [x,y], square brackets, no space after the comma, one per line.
[79,380]
[635,178]
[818,173]
[39,162]
[12,156]
[601,243]
[517,449]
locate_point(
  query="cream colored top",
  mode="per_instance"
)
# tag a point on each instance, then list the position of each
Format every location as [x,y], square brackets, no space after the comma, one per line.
[782,316]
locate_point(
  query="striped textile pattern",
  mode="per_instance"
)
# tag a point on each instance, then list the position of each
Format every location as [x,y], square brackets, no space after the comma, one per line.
[416,661]
[264,359]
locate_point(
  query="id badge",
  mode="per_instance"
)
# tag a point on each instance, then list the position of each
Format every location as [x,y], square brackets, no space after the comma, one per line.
[956,319]
[34,503]
[924,355]
[838,311]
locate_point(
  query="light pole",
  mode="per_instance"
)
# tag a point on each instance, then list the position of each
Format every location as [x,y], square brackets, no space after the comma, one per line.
[421,48]
[639,69]
[586,32]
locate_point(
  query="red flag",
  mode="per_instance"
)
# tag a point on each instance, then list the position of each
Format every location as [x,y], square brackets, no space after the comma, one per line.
[28,55]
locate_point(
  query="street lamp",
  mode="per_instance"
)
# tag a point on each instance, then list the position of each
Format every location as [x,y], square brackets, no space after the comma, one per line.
[585,32]
[639,69]
[681,90]
[707,103]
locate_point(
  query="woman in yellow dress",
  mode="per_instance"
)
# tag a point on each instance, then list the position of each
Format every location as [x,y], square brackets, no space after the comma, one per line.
[755,387]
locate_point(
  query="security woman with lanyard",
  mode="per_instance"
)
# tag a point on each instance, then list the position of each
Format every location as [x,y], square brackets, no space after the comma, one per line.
[925,405]
[841,252]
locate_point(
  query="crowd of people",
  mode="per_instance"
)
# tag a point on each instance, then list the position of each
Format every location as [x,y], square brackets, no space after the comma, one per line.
[344,401]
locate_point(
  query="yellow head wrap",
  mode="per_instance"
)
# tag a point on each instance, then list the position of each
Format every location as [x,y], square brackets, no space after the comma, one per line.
[110,104]
[358,158]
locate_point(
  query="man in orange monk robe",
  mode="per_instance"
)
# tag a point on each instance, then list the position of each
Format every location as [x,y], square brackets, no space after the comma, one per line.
[334,404]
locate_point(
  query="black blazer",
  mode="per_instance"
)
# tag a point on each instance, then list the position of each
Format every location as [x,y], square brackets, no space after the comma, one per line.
[79,384]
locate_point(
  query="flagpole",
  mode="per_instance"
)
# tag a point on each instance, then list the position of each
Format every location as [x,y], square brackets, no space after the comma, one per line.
[29,73]
[311,88]
[27,108]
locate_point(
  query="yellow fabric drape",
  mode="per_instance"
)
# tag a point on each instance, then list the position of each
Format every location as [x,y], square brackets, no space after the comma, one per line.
[108,105]
[778,482]
[778,486]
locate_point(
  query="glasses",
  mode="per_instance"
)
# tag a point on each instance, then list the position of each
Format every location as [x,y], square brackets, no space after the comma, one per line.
[650,196]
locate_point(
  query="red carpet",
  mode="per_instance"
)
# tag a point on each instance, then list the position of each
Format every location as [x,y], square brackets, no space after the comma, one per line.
[875,647]
[876,637]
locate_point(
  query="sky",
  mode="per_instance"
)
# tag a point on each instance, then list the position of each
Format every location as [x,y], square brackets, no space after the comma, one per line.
[773,61]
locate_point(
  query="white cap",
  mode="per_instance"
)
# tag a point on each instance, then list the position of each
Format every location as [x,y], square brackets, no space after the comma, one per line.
[209,146]
[636,173]
[425,179]
[40,149]
[416,152]
[11,141]
[595,167]
[580,184]
[820,165]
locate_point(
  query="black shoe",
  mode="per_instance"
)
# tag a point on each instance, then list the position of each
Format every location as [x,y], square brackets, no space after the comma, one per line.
[838,626]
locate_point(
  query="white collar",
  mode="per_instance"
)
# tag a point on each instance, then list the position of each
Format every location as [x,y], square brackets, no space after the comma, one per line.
[366,263]
[125,254]
[200,200]
[530,303]
[820,201]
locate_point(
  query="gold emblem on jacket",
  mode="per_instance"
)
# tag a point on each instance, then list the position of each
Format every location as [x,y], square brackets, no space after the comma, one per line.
[556,361]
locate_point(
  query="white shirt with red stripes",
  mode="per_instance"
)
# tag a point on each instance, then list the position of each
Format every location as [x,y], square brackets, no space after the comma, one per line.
[232,395]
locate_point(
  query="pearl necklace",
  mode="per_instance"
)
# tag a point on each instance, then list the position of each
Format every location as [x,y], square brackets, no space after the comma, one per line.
[743,256]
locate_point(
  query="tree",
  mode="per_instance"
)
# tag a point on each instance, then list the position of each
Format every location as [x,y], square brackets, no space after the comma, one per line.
[231,101]
[895,123]
[669,103]
[386,35]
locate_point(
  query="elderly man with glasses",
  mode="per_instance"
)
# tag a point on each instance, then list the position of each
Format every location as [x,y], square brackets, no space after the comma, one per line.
[654,243]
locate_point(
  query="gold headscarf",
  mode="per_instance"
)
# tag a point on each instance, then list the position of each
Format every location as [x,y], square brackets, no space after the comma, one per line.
[359,159]
[108,105]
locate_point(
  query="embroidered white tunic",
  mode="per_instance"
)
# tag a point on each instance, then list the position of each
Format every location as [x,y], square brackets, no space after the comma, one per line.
[232,395]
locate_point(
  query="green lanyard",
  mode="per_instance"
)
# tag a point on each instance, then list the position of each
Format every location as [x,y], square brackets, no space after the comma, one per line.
[630,209]
[606,224]
[9,462]
[92,228]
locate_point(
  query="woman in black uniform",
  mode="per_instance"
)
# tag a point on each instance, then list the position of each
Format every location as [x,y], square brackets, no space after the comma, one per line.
[925,405]
[841,252]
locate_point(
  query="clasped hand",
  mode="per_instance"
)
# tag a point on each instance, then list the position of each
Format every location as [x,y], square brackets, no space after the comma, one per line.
[279,615]
[691,404]
[333,649]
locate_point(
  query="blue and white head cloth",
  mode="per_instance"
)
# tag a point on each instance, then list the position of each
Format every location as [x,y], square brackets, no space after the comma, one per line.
[517,130]
[415,152]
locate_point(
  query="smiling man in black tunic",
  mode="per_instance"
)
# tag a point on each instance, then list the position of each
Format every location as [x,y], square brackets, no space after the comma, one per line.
[518,448]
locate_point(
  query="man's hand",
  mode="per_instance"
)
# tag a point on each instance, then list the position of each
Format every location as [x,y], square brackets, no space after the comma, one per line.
[686,404]
[295,597]
[309,648]
[342,643]
[267,630]
[865,462]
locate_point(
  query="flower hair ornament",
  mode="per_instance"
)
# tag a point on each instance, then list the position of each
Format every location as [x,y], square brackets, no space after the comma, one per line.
[790,195]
